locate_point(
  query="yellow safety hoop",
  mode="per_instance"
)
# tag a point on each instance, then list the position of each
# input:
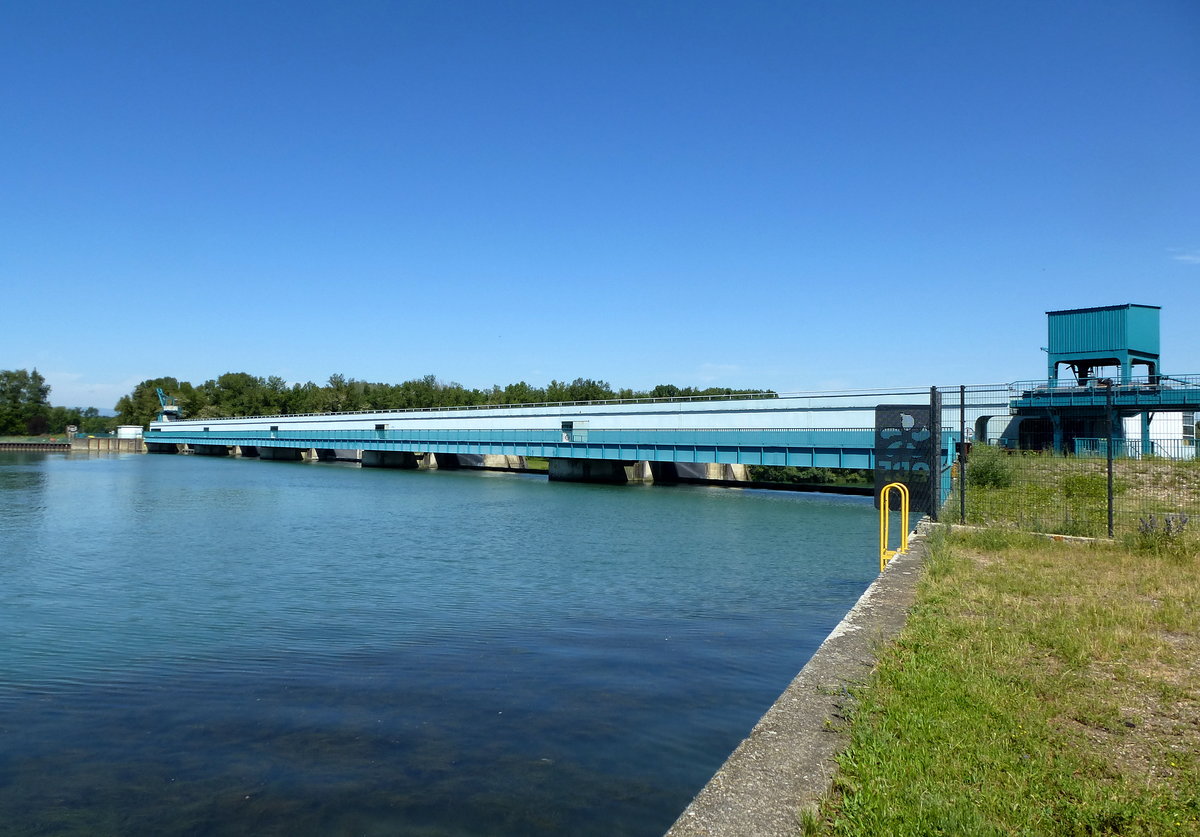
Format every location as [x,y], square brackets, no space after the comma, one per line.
[886,554]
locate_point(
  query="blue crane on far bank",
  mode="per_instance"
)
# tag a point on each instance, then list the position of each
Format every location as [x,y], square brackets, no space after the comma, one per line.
[168,409]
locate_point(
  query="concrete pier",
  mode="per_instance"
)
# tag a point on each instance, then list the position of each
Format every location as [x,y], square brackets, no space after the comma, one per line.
[491,462]
[641,471]
[388,459]
[281,454]
[113,444]
[676,472]
[612,471]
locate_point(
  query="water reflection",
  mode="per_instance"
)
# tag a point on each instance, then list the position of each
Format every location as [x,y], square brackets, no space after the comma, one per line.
[226,647]
[22,484]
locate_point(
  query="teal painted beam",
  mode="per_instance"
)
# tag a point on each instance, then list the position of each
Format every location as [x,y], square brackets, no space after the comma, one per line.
[823,448]
[1186,399]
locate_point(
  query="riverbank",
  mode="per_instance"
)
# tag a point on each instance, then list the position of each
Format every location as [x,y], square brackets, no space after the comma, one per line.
[45,447]
[1039,687]
[78,444]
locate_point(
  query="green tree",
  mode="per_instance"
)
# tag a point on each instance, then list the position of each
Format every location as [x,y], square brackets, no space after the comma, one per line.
[523,393]
[141,406]
[92,422]
[24,403]
[585,389]
[242,394]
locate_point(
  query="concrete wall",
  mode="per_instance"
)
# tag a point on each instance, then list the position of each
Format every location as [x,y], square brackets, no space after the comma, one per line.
[109,445]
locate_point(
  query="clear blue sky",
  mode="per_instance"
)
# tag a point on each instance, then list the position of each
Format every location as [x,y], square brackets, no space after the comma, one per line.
[774,194]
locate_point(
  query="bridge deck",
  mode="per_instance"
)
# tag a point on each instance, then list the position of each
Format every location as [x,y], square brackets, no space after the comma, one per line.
[1129,398]
[775,430]
[845,448]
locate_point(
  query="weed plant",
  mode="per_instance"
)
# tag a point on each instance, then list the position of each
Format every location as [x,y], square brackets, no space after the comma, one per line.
[1166,535]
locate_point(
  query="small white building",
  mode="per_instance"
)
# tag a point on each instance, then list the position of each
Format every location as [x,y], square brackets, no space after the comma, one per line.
[1172,435]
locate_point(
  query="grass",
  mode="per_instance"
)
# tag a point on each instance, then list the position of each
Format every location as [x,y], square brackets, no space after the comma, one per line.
[1068,495]
[1038,688]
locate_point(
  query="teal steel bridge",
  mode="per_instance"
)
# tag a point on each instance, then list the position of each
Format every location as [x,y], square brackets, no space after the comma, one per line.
[825,448]
[593,441]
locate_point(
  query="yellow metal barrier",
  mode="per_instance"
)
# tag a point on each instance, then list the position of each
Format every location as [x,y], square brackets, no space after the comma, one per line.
[886,554]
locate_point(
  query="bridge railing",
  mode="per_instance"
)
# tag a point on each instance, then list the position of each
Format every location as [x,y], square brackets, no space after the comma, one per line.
[800,447]
[857,436]
[839,399]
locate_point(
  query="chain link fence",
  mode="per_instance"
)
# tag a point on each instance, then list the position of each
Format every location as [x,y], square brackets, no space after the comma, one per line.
[1104,467]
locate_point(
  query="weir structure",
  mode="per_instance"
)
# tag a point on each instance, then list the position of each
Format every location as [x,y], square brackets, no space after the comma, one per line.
[627,441]
[905,435]
[1099,401]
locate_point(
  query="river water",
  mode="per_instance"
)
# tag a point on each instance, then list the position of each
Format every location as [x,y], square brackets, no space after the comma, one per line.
[226,646]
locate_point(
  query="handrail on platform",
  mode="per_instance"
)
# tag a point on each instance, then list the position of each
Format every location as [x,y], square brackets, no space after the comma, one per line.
[886,554]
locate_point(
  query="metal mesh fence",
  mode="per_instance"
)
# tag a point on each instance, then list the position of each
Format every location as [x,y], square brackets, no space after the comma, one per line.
[1105,461]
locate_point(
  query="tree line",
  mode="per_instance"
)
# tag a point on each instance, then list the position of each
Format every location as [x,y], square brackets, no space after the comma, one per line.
[243,394]
[25,408]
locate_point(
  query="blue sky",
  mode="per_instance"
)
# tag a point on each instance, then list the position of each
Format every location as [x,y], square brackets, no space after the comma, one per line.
[793,195]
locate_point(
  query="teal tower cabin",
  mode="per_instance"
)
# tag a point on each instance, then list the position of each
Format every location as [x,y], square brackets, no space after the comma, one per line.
[1087,339]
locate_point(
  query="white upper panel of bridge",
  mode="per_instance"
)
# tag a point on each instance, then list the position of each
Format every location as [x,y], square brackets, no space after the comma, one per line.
[804,410]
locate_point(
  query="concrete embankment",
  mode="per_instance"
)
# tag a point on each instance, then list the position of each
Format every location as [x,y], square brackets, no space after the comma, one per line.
[786,764]
[34,446]
[108,444]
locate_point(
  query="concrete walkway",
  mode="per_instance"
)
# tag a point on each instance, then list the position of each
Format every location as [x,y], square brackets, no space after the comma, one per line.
[787,765]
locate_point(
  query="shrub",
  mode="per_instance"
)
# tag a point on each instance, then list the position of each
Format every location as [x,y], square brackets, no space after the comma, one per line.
[989,467]
[1086,489]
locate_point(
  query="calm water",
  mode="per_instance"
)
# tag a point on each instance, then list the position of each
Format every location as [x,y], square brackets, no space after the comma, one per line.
[203,646]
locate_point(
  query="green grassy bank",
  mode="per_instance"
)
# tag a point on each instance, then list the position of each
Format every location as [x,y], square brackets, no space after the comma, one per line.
[1038,688]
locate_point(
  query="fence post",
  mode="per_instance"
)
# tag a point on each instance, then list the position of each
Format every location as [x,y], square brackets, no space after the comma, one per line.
[1109,400]
[935,455]
[962,454]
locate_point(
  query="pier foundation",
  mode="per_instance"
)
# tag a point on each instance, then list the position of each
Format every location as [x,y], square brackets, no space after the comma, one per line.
[613,471]
[491,461]
[389,459]
[280,454]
